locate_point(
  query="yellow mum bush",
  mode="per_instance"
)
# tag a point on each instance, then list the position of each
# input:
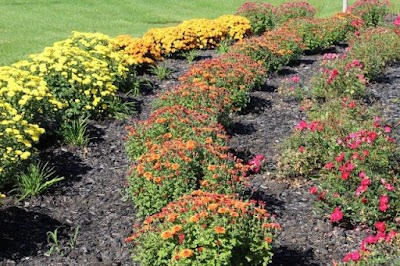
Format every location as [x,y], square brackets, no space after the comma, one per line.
[80,81]
[138,50]
[198,33]
[100,46]
[16,138]
[238,26]
[28,94]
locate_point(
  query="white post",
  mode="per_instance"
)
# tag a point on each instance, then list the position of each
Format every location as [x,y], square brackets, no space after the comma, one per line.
[344,6]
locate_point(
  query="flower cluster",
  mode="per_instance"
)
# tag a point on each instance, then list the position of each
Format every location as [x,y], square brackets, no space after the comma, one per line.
[319,33]
[294,10]
[261,16]
[197,33]
[203,228]
[371,11]
[274,49]
[26,104]
[375,48]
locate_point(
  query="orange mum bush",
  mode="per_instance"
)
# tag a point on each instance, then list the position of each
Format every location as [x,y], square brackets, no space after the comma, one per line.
[175,122]
[205,229]
[236,72]
[139,50]
[176,167]
[274,49]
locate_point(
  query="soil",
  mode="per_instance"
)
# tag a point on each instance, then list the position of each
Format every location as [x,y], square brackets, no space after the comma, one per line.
[93,200]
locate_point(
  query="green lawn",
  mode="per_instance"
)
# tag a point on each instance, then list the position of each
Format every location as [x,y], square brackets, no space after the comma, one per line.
[27,26]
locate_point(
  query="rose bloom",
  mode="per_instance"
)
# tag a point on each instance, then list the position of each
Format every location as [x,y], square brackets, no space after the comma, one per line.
[336,215]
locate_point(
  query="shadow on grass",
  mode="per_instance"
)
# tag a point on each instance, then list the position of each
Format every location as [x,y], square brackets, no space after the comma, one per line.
[23,233]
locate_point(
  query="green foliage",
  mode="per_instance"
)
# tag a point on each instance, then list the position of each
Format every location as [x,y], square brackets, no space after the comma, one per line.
[162,72]
[35,180]
[74,132]
[261,16]
[371,11]
[205,228]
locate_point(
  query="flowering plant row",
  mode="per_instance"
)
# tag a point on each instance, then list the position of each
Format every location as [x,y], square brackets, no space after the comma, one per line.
[191,34]
[348,147]
[75,77]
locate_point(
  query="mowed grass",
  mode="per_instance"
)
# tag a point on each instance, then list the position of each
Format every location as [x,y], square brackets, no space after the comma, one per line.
[28,26]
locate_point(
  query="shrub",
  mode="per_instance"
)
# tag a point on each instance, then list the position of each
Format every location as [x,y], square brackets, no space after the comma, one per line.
[294,10]
[339,76]
[177,167]
[375,48]
[361,177]
[313,143]
[83,83]
[174,122]
[205,228]
[140,51]
[371,11]
[261,16]
[236,72]
[274,49]
[321,33]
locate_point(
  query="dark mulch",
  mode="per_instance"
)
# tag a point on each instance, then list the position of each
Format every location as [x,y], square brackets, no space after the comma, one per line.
[93,196]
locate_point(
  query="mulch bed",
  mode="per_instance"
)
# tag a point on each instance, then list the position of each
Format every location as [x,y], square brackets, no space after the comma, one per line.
[94,194]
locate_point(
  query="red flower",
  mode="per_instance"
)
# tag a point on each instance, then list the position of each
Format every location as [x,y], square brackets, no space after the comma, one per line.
[301,125]
[336,215]
[329,166]
[340,157]
[345,175]
[295,79]
[355,256]
[380,226]
[313,190]
[383,203]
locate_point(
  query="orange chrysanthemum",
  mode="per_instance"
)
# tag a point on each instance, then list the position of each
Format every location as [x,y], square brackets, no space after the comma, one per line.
[186,253]
[194,218]
[213,206]
[219,230]
[166,234]
[148,175]
[176,229]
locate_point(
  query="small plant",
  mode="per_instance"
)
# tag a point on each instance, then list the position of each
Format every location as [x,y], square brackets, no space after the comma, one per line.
[74,237]
[52,239]
[190,55]
[121,109]
[224,46]
[36,179]
[74,132]
[162,72]
[205,229]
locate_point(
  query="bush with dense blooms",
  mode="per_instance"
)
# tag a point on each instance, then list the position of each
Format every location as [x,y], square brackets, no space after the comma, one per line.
[274,49]
[261,16]
[320,33]
[205,229]
[375,48]
[371,11]
[26,107]
[235,72]
[294,10]
[198,33]
[140,51]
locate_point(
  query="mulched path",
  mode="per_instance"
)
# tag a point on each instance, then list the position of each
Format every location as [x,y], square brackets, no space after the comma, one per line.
[94,194]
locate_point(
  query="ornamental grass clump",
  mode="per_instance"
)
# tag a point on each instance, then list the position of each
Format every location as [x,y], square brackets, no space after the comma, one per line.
[274,49]
[174,122]
[376,48]
[372,12]
[261,16]
[205,229]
